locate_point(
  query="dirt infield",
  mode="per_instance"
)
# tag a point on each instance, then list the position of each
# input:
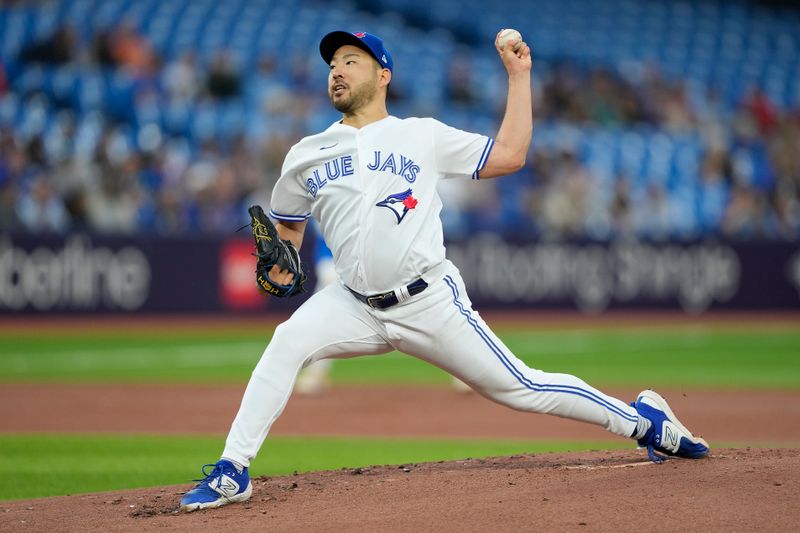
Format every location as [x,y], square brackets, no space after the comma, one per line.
[739,490]
[733,490]
[730,417]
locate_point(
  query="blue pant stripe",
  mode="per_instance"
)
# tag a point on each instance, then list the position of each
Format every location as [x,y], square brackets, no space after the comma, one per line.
[568,389]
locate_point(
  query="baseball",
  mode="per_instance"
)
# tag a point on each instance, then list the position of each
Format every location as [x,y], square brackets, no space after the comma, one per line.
[509,35]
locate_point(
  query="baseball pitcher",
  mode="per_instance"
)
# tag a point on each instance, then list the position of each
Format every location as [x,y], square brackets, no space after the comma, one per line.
[369,180]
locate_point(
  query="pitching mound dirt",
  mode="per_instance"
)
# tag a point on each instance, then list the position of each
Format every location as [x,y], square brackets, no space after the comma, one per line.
[733,490]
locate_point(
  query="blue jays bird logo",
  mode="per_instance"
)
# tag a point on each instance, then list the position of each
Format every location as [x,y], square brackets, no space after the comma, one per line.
[399,204]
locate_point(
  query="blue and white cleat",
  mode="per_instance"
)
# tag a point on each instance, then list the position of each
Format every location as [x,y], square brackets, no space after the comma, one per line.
[223,485]
[666,433]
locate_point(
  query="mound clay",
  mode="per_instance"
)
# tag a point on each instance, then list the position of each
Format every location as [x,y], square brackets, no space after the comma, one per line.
[743,489]
[733,490]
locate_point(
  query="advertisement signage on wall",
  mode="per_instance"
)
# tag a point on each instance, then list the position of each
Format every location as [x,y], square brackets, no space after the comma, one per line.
[90,274]
[237,288]
[595,277]
[73,274]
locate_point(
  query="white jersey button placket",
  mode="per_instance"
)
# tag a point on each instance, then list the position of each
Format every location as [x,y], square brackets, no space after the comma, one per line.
[363,209]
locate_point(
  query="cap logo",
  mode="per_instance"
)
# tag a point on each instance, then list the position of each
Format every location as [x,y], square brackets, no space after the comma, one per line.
[360,34]
[383,58]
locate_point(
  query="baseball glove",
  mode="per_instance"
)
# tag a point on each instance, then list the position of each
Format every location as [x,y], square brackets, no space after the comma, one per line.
[270,251]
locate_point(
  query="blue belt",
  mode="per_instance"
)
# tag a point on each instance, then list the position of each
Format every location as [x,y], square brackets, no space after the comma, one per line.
[388,299]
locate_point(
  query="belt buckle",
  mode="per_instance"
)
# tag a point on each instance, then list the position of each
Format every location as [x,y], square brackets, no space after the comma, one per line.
[371,300]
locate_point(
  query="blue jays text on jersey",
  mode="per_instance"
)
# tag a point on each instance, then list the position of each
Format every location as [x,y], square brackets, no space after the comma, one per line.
[407,168]
[332,170]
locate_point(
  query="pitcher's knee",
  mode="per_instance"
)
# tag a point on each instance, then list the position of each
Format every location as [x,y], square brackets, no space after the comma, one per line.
[286,351]
[295,337]
[509,396]
[526,394]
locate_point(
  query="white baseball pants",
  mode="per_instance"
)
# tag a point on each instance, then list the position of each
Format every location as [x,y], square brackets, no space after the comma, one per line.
[438,326]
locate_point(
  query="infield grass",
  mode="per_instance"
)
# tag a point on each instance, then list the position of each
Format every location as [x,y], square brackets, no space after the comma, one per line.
[696,356]
[73,464]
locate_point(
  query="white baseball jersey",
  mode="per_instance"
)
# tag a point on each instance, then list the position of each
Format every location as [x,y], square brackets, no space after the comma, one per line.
[373,191]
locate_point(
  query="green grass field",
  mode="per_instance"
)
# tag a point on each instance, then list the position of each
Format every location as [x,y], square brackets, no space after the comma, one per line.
[693,356]
[70,464]
[748,357]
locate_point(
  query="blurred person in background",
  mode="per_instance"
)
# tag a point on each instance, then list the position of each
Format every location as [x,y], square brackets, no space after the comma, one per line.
[181,78]
[58,48]
[565,205]
[40,209]
[315,378]
[132,52]
[223,81]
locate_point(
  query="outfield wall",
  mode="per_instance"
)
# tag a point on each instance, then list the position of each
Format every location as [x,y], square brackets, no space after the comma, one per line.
[91,274]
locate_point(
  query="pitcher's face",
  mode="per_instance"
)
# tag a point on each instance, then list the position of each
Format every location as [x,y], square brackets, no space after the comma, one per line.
[353,79]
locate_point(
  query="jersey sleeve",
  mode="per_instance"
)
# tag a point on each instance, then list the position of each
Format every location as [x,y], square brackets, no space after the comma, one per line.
[460,153]
[290,200]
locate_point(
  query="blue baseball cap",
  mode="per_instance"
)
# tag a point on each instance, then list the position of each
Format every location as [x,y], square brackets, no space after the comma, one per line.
[366,41]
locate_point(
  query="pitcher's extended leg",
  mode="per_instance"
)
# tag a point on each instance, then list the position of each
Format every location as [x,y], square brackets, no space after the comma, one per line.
[330,324]
[465,346]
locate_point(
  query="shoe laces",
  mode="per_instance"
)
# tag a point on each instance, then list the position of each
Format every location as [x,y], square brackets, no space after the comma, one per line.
[654,457]
[649,439]
[216,472]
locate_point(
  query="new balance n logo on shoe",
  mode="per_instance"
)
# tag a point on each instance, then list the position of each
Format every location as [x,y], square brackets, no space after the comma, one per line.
[225,486]
[670,438]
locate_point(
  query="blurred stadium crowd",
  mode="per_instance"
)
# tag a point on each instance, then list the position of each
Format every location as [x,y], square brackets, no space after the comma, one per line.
[654,120]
